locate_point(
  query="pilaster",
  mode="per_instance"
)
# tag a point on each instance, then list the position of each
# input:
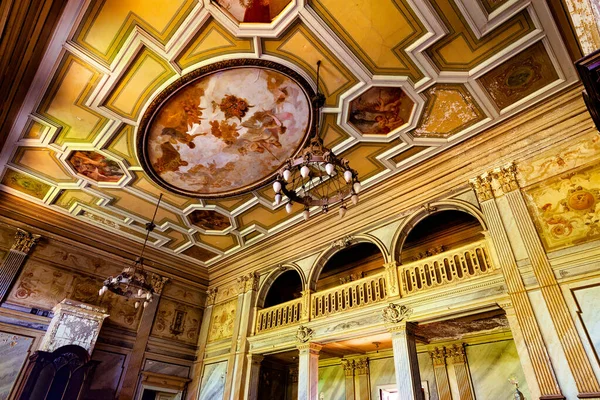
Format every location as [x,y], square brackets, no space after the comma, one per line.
[308,371]
[438,358]
[408,377]
[579,364]
[525,317]
[138,352]
[348,366]
[458,357]
[12,263]
[361,378]
[253,363]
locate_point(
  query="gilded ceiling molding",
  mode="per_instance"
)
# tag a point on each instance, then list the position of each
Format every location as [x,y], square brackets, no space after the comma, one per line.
[24,241]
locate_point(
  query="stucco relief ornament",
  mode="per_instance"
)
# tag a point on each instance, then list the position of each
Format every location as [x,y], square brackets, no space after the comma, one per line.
[507,177]
[211,295]
[24,241]
[394,313]
[482,185]
[304,334]
[343,242]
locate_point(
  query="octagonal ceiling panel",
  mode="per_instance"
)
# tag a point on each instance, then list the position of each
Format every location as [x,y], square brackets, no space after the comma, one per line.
[403,81]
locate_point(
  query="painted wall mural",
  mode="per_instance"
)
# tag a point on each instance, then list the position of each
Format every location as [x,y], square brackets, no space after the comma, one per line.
[177,321]
[262,11]
[380,110]
[227,131]
[222,320]
[566,209]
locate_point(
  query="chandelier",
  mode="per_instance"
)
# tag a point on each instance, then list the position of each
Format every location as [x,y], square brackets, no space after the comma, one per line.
[316,177]
[132,282]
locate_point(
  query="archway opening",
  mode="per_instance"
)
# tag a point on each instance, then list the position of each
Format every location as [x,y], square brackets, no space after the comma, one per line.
[349,264]
[442,231]
[286,287]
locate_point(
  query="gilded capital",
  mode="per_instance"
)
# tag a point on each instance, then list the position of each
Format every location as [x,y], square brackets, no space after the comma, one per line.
[157,282]
[507,177]
[361,366]
[24,241]
[348,366]
[211,296]
[482,185]
[438,356]
[457,353]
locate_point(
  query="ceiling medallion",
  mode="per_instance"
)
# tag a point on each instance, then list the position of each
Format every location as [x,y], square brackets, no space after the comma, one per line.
[226,128]
[133,282]
[316,177]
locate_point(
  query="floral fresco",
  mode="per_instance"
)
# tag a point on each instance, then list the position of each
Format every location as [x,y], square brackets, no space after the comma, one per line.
[380,110]
[566,209]
[262,11]
[227,131]
[96,166]
[177,321]
[222,320]
[209,220]
[24,183]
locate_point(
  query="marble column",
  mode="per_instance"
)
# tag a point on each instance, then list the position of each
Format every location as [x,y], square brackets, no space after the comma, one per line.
[12,263]
[248,285]
[348,366]
[577,359]
[308,371]
[457,356]
[254,361]
[193,391]
[438,358]
[136,358]
[545,383]
[361,379]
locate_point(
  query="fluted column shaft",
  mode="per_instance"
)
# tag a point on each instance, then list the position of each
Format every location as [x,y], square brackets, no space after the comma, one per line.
[12,263]
[408,377]
[457,356]
[438,357]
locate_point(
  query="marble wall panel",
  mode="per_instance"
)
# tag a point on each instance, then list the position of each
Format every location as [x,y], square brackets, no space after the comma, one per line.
[222,321]
[14,350]
[212,386]
[332,382]
[491,366]
[177,321]
[587,300]
[164,368]
[107,375]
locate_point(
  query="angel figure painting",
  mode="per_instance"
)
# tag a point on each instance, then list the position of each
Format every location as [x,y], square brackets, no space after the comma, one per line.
[380,110]
[96,166]
[254,11]
[228,130]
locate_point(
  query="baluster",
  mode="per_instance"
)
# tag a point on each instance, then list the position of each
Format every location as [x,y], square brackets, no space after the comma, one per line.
[475,261]
[376,287]
[340,297]
[361,294]
[327,305]
[413,279]
[346,292]
[284,319]
[369,292]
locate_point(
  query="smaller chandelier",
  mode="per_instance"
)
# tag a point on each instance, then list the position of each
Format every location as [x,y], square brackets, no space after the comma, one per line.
[132,282]
[316,177]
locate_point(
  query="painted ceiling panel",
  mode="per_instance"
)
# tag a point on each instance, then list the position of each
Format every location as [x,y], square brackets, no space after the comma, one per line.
[402,81]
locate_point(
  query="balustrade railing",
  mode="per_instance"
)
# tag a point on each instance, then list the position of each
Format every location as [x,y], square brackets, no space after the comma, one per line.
[450,266]
[278,316]
[358,293]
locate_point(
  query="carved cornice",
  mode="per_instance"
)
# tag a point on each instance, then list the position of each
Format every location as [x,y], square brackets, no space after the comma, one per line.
[395,313]
[211,295]
[438,356]
[506,177]
[304,334]
[482,185]
[457,353]
[24,241]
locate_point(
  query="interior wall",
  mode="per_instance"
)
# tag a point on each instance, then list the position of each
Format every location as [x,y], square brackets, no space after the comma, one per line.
[332,382]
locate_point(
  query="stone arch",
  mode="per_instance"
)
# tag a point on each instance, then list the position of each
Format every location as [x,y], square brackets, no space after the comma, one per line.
[338,245]
[275,273]
[424,212]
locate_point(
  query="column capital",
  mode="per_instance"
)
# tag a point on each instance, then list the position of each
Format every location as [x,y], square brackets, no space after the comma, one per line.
[157,282]
[309,347]
[248,282]
[395,313]
[482,185]
[438,356]
[211,296]
[507,178]
[24,241]
[457,353]
[403,328]
[348,366]
[361,366]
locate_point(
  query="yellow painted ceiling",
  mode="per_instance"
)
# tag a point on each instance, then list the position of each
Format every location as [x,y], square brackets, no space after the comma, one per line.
[461,77]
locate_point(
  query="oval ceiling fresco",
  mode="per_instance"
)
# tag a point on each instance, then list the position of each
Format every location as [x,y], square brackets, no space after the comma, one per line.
[226,128]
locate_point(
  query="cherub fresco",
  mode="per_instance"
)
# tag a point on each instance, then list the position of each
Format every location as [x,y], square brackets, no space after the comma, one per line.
[96,166]
[380,110]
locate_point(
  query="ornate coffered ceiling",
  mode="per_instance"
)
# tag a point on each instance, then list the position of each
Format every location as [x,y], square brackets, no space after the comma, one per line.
[403,80]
